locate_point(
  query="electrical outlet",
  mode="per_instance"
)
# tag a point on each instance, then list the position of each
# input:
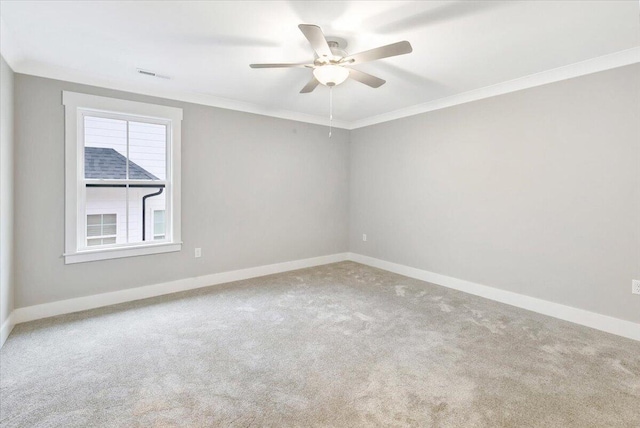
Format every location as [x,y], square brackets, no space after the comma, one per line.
[635,286]
[198,252]
[364,236]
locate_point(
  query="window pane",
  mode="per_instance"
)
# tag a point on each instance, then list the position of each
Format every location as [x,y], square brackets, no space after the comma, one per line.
[94,230]
[109,229]
[93,242]
[147,151]
[109,219]
[94,219]
[105,148]
[108,241]
[158,216]
[158,222]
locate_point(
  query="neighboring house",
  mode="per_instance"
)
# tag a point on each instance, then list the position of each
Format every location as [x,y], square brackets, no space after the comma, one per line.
[106,205]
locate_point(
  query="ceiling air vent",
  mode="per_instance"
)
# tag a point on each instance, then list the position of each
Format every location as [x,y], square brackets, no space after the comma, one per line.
[151,73]
[146,72]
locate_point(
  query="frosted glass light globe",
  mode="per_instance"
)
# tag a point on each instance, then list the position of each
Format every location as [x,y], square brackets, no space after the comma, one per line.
[330,75]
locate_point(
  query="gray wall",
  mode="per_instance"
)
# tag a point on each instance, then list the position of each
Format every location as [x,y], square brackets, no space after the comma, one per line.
[536,192]
[255,190]
[6,190]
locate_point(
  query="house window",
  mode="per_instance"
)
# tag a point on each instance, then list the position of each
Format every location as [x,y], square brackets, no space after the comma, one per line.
[158,225]
[101,229]
[123,169]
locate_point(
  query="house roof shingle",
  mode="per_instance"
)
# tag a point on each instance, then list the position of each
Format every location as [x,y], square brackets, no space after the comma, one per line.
[107,163]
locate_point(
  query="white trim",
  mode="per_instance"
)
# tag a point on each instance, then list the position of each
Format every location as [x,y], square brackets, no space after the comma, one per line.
[45,310]
[120,252]
[594,65]
[6,328]
[578,316]
[76,104]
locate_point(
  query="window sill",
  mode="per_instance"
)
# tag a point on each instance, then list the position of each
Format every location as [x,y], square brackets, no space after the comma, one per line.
[116,253]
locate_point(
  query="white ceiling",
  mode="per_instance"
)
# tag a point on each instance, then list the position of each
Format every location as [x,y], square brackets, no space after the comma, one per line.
[206,47]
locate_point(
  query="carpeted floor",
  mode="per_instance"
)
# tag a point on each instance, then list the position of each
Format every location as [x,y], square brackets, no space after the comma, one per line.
[341,345]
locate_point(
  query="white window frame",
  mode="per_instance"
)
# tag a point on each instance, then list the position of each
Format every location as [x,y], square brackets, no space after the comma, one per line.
[76,106]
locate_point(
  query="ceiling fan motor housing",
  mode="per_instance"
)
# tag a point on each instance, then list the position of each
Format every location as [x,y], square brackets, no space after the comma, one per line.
[337,46]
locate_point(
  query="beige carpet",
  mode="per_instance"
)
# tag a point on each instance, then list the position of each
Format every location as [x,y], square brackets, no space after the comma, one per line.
[341,345]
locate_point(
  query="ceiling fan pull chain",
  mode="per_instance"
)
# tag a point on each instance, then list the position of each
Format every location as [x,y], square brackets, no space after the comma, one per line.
[330,109]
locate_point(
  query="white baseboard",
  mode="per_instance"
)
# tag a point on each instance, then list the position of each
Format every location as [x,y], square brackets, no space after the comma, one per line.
[46,310]
[578,316]
[6,328]
[567,313]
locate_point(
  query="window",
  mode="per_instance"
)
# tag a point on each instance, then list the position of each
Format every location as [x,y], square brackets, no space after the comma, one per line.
[158,225]
[101,229]
[122,178]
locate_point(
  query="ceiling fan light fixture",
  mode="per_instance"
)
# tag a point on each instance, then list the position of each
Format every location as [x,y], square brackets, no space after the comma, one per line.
[330,75]
[331,59]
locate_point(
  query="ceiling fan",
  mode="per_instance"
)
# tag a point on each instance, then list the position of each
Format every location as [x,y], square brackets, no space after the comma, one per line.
[331,62]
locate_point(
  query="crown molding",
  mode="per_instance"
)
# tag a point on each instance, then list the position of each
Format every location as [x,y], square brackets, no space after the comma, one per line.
[594,65]
[66,74]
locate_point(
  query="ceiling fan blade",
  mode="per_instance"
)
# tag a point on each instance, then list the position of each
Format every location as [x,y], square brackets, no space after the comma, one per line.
[367,79]
[393,49]
[314,34]
[309,87]
[301,65]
